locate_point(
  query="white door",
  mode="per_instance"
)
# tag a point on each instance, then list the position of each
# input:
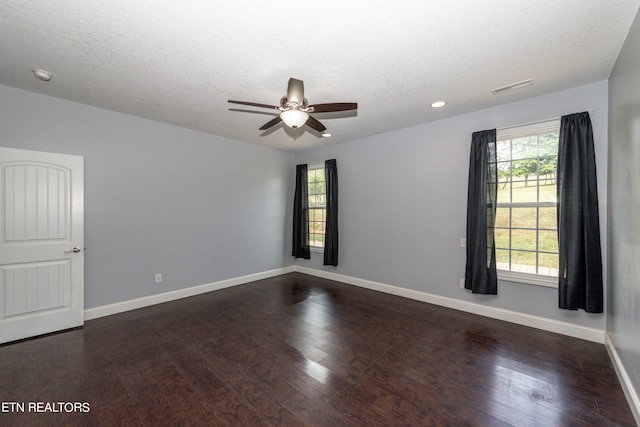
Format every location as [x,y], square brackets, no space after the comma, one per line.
[41,243]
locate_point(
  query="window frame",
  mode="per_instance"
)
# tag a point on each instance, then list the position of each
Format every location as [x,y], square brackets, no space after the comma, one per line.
[313,167]
[514,132]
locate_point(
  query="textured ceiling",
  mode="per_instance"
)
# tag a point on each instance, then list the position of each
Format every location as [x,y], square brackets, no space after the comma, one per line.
[180,61]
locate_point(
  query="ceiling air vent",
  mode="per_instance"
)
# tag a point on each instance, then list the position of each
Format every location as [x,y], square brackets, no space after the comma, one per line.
[512,86]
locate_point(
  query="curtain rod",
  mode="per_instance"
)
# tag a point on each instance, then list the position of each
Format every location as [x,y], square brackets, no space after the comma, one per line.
[528,124]
[592,113]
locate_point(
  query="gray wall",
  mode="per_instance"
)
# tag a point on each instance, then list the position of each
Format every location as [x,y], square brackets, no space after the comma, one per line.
[403,202]
[159,198]
[165,199]
[623,308]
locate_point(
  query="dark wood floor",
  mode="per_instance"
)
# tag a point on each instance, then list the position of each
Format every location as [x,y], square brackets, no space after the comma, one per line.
[299,350]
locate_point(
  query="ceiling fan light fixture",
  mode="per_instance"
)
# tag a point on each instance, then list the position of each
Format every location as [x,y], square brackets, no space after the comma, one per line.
[294,118]
[295,110]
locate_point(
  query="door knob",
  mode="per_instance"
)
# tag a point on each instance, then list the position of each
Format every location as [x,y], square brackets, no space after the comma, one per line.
[74,250]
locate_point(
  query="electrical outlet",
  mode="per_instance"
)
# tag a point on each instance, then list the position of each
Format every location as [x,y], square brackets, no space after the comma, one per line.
[461,283]
[463,242]
[158,277]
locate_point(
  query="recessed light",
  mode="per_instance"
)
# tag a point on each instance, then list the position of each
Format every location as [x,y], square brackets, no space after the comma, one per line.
[326,135]
[43,75]
[438,104]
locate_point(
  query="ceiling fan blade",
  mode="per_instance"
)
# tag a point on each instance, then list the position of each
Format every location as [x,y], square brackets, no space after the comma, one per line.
[334,106]
[271,123]
[295,92]
[315,124]
[253,104]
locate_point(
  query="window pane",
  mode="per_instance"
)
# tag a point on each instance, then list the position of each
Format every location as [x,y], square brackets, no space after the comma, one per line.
[548,144]
[503,149]
[316,240]
[548,167]
[524,262]
[318,215]
[501,237]
[504,192]
[316,227]
[523,148]
[502,217]
[524,193]
[523,239]
[317,188]
[548,192]
[548,218]
[316,175]
[548,261]
[313,201]
[502,258]
[548,241]
[504,167]
[523,217]
[525,171]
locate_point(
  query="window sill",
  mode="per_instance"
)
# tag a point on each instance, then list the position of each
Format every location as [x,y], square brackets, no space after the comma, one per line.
[316,249]
[529,279]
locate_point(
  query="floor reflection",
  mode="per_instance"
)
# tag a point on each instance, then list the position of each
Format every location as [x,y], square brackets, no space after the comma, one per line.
[316,371]
[311,333]
[536,390]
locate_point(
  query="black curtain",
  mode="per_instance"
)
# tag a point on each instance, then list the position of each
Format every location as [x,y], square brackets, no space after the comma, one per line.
[331,223]
[480,273]
[301,215]
[580,275]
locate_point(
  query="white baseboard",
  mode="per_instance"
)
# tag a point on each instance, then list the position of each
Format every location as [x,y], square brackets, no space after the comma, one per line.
[120,307]
[627,386]
[564,328]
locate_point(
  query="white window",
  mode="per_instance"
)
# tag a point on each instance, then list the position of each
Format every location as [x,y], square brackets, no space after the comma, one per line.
[317,205]
[526,235]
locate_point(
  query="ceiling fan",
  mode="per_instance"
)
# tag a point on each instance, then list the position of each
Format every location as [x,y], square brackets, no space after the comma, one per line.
[294,108]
